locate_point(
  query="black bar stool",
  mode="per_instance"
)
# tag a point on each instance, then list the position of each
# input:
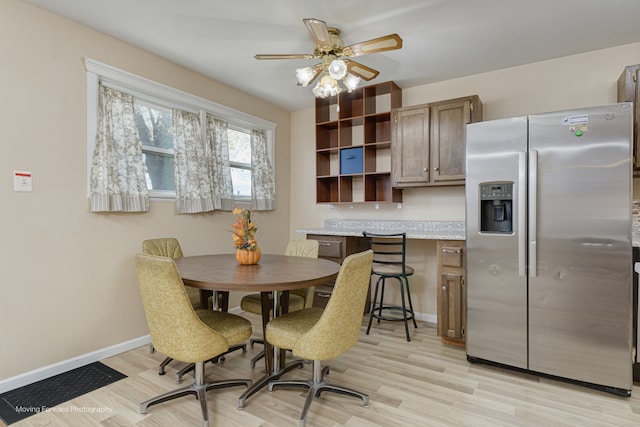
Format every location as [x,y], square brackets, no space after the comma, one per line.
[389,252]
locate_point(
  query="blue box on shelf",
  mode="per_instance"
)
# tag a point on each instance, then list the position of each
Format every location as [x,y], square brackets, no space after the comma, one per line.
[351,161]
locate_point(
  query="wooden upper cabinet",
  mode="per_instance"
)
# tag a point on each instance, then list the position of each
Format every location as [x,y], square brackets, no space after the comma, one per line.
[410,146]
[449,133]
[429,142]
[629,91]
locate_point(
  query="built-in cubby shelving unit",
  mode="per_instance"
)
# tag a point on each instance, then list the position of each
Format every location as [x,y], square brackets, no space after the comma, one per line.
[353,145]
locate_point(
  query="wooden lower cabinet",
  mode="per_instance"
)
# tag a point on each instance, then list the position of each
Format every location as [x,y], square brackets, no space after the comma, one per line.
[336,248]
[322,295]
[451,291]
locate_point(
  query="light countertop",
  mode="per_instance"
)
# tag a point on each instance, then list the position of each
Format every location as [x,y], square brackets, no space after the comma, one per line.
[429,230]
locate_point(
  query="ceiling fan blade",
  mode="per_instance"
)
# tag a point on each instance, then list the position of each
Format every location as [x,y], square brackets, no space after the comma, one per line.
[285,56]
[362,71]
[380,44]
[319,33]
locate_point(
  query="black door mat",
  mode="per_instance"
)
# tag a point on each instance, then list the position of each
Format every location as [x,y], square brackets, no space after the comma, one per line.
[18,404]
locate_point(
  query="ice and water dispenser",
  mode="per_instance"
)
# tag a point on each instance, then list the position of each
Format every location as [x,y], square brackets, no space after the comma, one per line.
[496,203]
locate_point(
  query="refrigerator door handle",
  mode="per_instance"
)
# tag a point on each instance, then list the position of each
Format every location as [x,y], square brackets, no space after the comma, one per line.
[522,206]
[533,209]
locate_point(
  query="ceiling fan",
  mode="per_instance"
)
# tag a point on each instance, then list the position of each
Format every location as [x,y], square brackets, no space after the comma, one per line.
[332,52]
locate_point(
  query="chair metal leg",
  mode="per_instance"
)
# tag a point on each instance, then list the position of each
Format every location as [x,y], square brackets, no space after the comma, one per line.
[199,389]
[201,392]
[256,358]
[170,395]
[373,305]
[164,363]
[190,367]
[266,380]
[378,307]
[413,317]
[384,279]
[317,386]
[404,309]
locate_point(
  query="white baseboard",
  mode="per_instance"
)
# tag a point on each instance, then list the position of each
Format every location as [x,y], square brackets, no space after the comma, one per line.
[67,365]
[429,318]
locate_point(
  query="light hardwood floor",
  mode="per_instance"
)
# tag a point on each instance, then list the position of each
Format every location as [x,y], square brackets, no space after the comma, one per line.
[417,383]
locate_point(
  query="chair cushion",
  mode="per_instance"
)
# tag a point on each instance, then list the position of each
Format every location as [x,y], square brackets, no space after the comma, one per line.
[285,330]
[235,329]
[252,303]
[390,269]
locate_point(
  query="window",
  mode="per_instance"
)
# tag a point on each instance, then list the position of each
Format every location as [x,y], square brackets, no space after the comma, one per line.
[153,105]
[240,160]
[154,129]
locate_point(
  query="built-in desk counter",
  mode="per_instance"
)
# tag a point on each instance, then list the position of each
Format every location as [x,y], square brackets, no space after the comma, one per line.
[430,230]
[340,238]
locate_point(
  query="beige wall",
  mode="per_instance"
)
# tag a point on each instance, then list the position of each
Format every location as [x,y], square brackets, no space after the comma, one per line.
[580,80]
[68,280]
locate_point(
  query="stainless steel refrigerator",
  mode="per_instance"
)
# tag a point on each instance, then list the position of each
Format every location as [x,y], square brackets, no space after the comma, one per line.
[548,234]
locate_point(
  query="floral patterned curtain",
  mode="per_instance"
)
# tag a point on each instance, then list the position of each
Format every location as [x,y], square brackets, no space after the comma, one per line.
[118,172]
[192,168]
[263,190]
[219,163]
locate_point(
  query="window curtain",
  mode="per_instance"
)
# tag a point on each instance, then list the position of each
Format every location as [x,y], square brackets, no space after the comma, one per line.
[118,172]
[219,163]
[263,190]
[192,168]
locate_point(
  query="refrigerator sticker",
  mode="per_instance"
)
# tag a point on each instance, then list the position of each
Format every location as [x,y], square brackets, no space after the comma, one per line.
[578,130]
[580,119]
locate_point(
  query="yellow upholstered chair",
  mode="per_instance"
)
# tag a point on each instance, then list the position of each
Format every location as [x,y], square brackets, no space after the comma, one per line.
[317,334]
[180,332]
[170,247]
[389,262]
[298,298]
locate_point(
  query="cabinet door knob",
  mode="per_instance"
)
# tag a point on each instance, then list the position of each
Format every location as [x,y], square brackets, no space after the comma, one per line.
[436,169]
[426,170]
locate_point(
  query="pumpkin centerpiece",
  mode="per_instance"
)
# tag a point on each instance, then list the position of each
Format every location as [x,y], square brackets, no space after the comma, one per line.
[244,239]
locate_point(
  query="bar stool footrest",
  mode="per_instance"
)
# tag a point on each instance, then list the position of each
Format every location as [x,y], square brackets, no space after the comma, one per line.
[377,313]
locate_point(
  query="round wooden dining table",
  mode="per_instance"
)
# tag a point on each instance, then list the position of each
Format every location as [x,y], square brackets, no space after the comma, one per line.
[274,273]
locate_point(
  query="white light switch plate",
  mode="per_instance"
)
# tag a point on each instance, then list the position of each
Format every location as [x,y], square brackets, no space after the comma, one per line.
[22,181]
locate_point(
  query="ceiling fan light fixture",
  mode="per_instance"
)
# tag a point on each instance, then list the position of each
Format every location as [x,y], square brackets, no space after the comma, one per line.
[305,75]
[329,49]
[337,69]
[327,86]
[351,82]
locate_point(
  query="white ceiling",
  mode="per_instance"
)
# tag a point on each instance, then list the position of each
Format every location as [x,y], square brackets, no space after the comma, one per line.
[443,39]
